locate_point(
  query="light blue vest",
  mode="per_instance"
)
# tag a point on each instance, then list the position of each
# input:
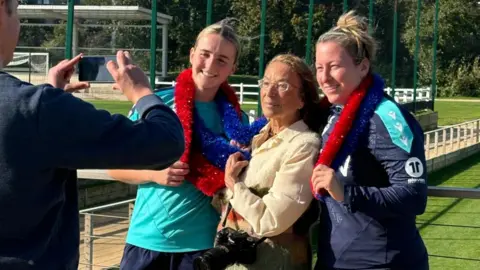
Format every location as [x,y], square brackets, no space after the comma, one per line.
[175,219]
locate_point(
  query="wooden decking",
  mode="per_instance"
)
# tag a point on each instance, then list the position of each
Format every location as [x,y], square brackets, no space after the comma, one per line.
[109,232]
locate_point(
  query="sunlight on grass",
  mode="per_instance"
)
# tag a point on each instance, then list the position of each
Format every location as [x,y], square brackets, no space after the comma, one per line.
[113,106]
[450,227]
[451,112]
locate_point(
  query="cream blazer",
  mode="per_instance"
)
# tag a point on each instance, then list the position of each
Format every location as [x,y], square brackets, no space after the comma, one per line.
[274,190]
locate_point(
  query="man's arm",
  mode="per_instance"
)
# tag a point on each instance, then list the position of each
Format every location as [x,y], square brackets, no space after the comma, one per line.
[75,135]
[133,177]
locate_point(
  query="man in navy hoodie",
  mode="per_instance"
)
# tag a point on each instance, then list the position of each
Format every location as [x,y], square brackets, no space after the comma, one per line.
[46,134]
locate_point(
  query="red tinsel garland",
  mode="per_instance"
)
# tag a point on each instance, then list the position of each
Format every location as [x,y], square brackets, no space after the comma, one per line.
[206,177]
[342,127]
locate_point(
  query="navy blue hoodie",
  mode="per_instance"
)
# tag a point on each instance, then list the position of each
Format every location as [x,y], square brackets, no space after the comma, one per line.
[45,135]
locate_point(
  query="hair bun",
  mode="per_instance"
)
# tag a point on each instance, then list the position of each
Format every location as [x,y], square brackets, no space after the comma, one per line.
[231,23]
[353,23]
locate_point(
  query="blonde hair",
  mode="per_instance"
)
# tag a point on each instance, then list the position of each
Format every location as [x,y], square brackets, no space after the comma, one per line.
[226,31]
[308,89]
[352,34]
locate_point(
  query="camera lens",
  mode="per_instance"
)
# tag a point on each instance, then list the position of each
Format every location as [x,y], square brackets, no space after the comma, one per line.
[216,258]
[200,263]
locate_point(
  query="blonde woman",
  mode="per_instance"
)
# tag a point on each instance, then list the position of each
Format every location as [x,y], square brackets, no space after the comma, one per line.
[173,220]
[371,174]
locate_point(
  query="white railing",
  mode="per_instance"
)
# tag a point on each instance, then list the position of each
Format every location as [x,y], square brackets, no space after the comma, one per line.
[402,95]
[103,237]
[451,138]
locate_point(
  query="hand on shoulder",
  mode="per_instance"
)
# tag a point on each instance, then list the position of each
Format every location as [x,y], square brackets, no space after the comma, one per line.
[173,176]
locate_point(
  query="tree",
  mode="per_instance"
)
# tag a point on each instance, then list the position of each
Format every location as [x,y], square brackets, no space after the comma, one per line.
[458,28]
[286,29]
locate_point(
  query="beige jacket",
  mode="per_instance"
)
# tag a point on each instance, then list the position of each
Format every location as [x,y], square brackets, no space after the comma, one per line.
[272,194]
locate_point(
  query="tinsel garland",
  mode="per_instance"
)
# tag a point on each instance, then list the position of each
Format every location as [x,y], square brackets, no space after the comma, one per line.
[208,155]
[352,125]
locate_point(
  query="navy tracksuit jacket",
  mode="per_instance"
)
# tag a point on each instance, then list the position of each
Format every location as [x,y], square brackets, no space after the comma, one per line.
[385,189]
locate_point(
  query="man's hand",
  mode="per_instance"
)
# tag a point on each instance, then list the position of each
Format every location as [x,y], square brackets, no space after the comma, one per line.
[173,176]
[129,79]
[324,178]
[234,166]
[59,76]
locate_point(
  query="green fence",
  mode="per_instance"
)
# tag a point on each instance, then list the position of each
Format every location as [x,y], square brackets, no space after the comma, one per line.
[408,33]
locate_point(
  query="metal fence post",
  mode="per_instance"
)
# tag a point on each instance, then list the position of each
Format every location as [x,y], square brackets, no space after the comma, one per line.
[209,12]
[434,64]
[70,18]
[452,138]
[478,131]
[308,53]
[30,67]
[427,149]
[458,137]
[444,140]
[130,210]
[394,47]
[241,93]
[153,45]
[417,48]
[370,16]
[263,17]
[88,241]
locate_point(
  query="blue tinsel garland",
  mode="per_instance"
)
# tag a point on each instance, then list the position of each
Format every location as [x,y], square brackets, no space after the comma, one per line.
[361,123]
[216,148]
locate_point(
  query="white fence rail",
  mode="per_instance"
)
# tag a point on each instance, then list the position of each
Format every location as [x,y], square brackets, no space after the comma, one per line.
[451,138]
[103,235]
[402,95]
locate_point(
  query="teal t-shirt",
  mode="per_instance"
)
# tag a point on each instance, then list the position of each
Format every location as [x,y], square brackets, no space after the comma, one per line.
[175,219]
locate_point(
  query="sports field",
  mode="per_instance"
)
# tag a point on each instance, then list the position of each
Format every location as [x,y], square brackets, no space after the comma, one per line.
[452,112]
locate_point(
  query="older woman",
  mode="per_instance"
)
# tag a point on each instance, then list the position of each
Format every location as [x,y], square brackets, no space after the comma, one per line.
[371,174]
[271,194]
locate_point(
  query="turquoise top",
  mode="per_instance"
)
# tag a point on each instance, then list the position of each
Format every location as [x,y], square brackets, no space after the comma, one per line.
[396,125]
[175,219]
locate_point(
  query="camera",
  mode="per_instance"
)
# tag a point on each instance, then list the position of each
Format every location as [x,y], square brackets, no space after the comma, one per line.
[231,246]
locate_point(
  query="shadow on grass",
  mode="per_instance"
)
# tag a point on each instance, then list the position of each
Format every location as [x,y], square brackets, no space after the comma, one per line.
[451,225]
[441,213]
[443,175]
[456,258]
